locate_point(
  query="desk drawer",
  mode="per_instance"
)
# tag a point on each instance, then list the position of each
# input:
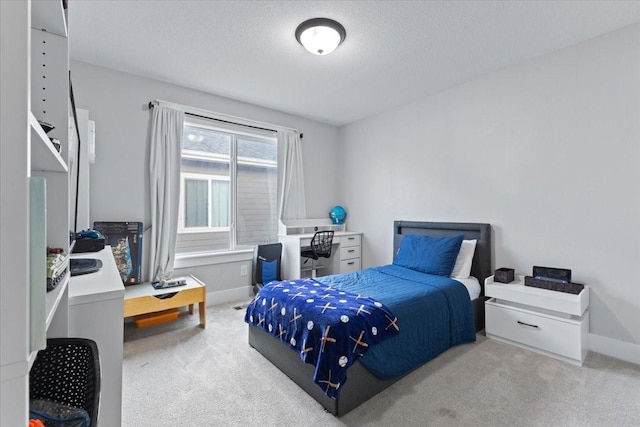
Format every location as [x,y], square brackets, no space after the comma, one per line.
[536,330]
[347,241]
[349,265]
[349,252]
[151,303]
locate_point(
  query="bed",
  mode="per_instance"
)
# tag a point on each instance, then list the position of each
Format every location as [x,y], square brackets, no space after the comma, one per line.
[362,384]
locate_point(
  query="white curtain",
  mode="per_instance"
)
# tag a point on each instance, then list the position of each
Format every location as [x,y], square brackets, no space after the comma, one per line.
[292,201]
[166,142]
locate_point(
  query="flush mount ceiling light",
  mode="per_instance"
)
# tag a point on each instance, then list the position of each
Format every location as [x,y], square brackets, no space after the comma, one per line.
[320,36]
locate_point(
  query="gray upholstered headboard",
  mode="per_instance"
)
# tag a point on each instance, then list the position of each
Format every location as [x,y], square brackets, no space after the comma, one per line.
[481,267]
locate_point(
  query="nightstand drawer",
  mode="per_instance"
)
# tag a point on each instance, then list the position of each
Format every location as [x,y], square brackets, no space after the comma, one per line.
[538,331]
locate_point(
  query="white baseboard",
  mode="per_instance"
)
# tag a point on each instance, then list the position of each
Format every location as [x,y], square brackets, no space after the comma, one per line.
[229,295]
[619,349]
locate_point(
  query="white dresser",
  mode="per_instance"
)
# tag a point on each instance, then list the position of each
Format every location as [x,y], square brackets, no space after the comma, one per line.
[548,322]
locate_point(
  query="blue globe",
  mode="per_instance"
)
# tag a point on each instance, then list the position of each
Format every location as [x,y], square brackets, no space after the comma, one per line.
[337,215]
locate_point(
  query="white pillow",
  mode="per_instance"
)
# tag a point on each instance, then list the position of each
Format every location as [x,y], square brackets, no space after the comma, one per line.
[462,269]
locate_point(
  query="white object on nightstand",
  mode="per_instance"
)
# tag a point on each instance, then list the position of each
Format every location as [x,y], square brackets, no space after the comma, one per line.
[548,322]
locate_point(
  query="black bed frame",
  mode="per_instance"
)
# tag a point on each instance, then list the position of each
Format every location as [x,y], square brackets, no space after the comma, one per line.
[361,384]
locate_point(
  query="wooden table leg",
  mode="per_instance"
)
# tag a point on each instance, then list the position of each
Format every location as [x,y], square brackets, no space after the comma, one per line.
[190,308]
[203,314]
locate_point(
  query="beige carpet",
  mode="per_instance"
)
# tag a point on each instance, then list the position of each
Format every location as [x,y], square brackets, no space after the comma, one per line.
[178,374]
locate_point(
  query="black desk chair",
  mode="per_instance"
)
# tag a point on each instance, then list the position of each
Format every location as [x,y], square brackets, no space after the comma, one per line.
[320,248]
[64,383]
[266,264]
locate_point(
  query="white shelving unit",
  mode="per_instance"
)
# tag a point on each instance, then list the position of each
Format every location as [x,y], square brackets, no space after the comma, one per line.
[34,85]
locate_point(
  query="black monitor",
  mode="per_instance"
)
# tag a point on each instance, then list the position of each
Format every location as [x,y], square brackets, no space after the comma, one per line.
[77,266]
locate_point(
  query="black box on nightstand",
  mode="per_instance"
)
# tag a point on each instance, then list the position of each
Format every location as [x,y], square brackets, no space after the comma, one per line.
[503,275]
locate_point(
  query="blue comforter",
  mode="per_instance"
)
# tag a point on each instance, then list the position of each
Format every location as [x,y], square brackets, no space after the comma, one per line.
[434,313]
[329,328]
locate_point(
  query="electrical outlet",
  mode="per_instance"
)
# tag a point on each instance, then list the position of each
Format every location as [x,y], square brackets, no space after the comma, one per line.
[243,270]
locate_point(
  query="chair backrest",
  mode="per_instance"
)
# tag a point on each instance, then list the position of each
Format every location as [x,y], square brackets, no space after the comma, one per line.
[266,263]
[67,371]
[321,243]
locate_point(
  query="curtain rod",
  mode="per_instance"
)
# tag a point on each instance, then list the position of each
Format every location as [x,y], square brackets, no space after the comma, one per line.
[203,114]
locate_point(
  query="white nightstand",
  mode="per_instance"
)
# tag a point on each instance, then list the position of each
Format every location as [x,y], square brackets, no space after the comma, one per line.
[548,322]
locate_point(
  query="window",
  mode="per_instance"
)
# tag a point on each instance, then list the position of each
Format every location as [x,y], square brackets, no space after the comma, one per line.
[206,202]
[228,187]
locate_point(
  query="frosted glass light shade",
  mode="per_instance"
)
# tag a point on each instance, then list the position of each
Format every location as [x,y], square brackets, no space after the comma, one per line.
[320,36]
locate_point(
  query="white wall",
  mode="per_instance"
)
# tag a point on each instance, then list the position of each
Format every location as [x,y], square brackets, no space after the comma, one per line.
[117,102]
[547,152]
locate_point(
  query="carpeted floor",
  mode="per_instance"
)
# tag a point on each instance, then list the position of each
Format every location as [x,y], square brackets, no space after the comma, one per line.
[178,374]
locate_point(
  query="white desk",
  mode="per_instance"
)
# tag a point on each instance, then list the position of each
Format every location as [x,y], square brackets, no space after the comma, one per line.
[95,312]
[345,254]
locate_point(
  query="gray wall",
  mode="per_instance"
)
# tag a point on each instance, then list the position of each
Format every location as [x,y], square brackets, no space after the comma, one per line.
[117,102]
[547,152]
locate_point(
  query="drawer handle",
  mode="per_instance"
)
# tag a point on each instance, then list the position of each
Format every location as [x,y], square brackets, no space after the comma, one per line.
[351,250]
[351,263]
[351,238]
[166,296]
[527,324]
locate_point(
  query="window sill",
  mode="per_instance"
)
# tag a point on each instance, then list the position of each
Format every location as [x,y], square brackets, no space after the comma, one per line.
[197,259]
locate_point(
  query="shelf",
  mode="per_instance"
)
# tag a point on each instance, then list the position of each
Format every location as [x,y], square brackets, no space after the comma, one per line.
[53,299]
[49,16]
[44,156]
[517,292]
[307,226]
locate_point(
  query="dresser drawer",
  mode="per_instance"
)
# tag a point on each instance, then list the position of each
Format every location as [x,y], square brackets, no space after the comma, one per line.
[349,252]
[557,335]
[349,265]
[346,241]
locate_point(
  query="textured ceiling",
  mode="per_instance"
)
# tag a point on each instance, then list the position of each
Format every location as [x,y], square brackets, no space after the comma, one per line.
[395,51]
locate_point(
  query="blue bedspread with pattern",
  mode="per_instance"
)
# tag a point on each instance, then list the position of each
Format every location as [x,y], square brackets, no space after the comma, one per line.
[434,313]
[330,328]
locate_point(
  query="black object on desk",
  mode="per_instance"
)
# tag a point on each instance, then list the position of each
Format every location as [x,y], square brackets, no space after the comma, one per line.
[79,266]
